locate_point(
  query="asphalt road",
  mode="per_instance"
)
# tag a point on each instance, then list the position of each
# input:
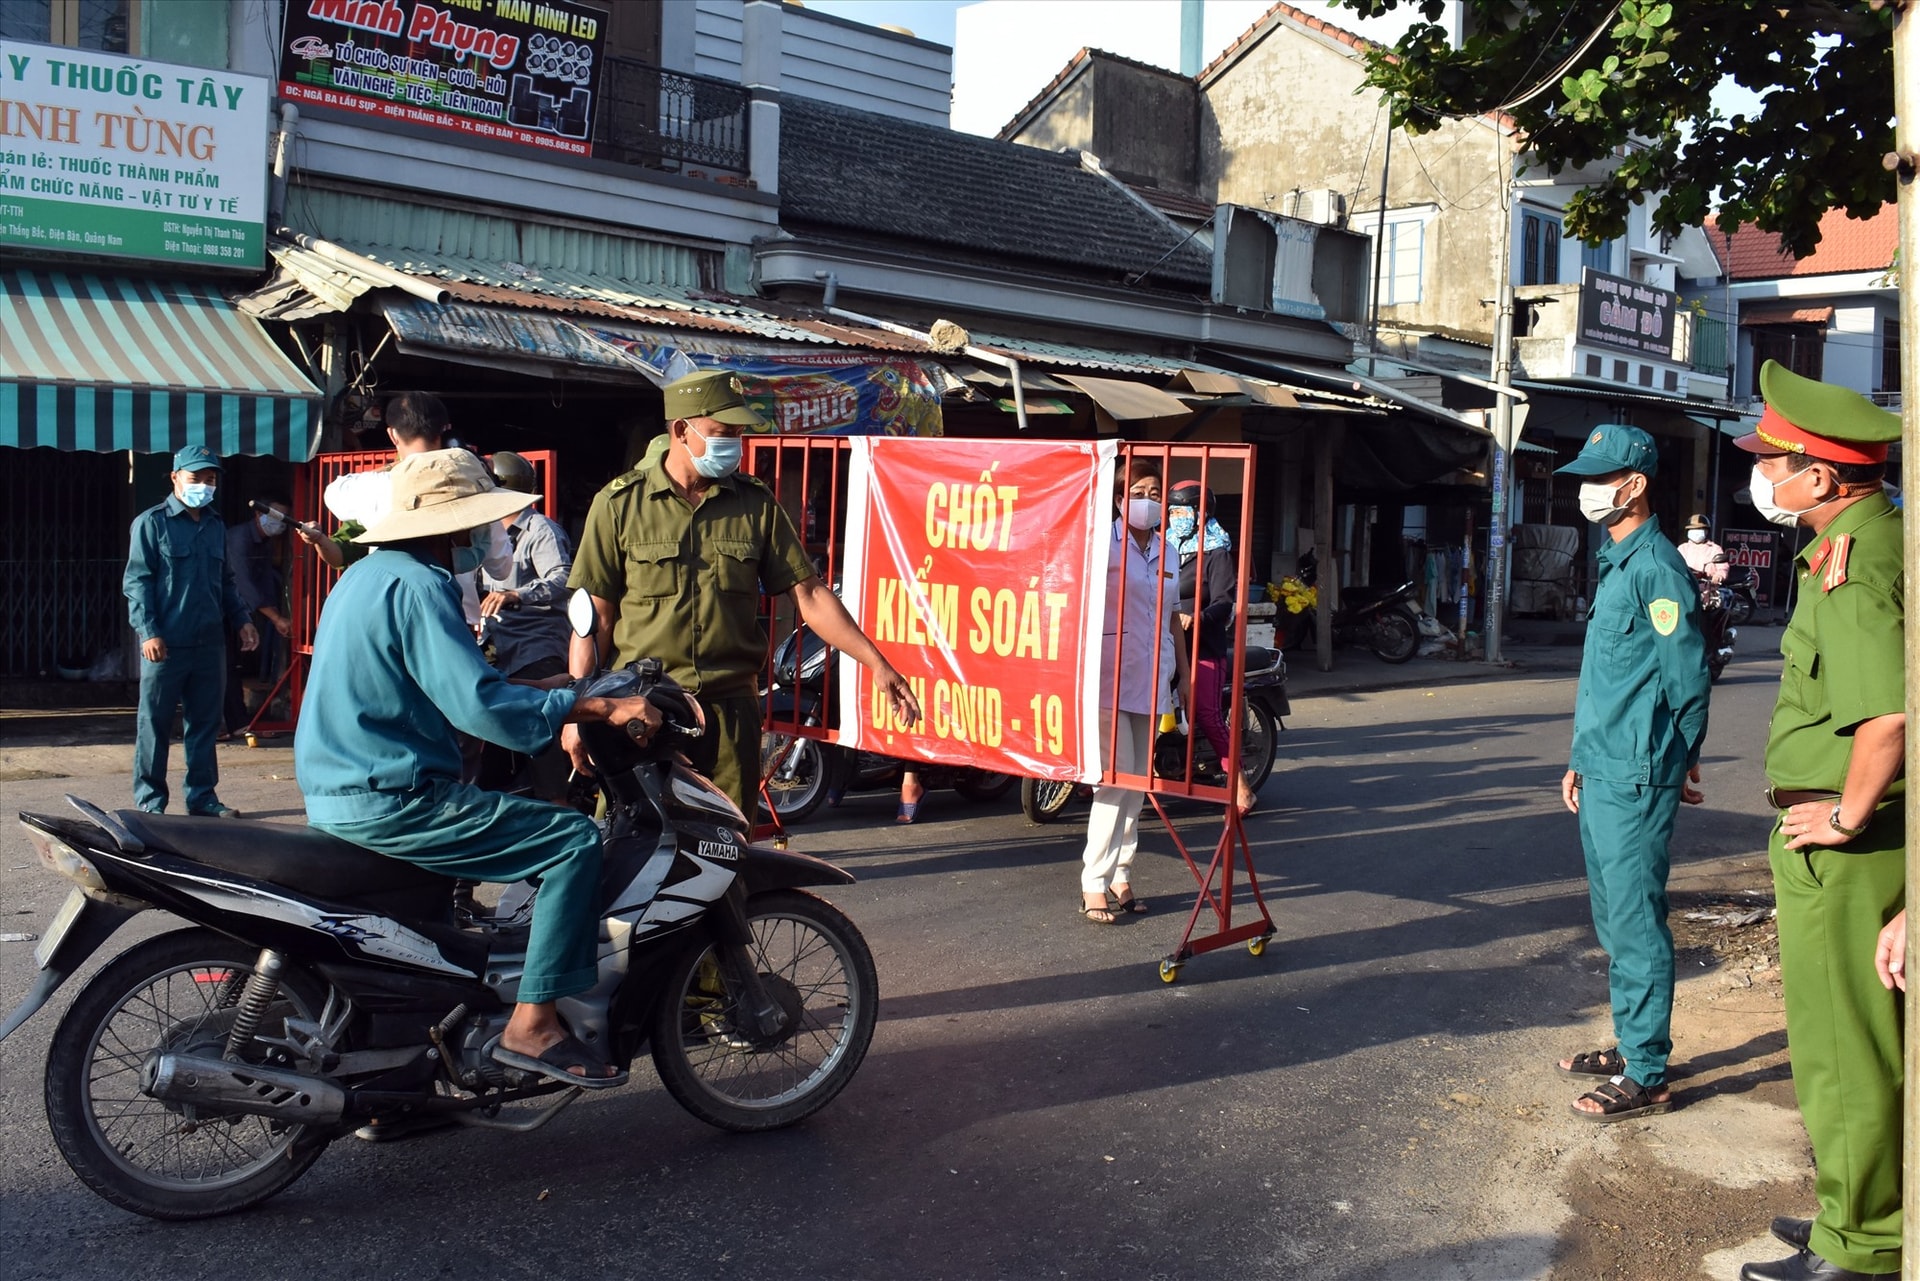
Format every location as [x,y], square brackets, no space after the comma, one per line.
[1036,1102]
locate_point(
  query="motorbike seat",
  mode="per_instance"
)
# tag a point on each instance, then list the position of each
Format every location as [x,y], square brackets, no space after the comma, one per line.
[1355,597]
[1260,658]
[304,859]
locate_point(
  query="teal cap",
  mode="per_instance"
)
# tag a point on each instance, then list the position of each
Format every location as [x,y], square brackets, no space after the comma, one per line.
[1613,447]
[195,458]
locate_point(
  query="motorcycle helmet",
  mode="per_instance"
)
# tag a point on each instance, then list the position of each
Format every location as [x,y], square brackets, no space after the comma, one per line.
[1191,493]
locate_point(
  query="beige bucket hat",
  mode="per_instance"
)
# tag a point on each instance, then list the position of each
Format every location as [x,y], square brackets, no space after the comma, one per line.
[442,491]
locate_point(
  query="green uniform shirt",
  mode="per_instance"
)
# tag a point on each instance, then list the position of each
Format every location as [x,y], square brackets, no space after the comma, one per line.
[1845,650]
[1641,712]
[689,579]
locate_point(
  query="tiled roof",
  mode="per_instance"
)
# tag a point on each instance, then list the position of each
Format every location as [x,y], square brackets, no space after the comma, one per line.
[1078,62]
[854,170]
[1252,35]
[1174,204]
[1846,244]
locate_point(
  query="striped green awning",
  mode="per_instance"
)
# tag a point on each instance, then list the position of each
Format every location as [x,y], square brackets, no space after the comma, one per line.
[115,362]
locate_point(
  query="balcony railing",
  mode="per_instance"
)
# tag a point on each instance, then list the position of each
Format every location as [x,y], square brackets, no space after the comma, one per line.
[1709,346]
[670,120]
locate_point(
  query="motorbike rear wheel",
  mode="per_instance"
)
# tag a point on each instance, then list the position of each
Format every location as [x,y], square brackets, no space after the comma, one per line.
[174,992]
[1259,744]
[1395,636]
[1043,800]
[818,967]
[794,771]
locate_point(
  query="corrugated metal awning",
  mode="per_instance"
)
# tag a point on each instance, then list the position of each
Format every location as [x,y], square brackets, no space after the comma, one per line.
[1126,401]
[91,362]
[501,338]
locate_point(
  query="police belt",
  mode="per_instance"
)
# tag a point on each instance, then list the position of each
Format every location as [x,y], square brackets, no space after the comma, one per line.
[1782,798]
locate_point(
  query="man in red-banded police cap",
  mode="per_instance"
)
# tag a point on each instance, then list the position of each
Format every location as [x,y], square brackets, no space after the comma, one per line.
[1835,750]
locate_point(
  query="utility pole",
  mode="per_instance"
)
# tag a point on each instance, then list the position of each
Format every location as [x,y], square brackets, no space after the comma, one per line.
[1906,143]
[1506,428]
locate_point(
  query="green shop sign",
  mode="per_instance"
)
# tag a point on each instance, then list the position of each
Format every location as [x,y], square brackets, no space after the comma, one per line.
[105,156]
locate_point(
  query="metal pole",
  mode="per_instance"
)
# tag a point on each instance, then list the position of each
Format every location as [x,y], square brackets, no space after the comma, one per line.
[1379,253]
[1906,97]
[1499,465]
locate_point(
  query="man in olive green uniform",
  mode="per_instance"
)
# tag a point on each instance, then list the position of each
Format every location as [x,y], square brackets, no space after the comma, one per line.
[1835,750]
[676,554]
[1638,722]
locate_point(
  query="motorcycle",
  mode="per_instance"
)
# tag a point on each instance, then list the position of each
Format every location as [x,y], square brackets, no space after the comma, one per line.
[1742,582]
[799,773]
[1379,618]
[1717,625]
[322,986]
[1044,800]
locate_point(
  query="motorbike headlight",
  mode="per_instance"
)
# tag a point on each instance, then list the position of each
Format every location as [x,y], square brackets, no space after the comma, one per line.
[63,860]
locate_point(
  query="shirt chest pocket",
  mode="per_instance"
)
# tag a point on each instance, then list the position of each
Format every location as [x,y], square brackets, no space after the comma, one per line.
[1614,628]
[182,545]
[736,570]
[1800,673]
[652,569]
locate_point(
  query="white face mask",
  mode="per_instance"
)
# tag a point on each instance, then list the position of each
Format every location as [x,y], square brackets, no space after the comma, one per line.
[1762,490]
[1143,513]
[1696,535]
[1597,502]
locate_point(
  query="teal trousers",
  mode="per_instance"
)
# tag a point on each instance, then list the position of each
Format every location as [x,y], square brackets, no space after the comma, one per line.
[463,832]
[1844,1033]
[1624,829]
[194,679]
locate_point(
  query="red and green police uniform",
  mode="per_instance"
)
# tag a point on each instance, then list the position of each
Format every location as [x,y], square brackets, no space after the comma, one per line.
[1640,717]
[1844,653]
[688,580]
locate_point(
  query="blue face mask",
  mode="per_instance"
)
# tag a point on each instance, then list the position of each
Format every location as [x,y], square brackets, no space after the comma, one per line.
[1181,525]
[722,456]
[474,554]
[196,494]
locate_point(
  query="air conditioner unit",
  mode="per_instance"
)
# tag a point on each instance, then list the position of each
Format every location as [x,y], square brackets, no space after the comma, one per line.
[1328,208]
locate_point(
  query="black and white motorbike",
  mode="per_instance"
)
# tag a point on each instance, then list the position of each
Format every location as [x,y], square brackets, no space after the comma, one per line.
[322,986]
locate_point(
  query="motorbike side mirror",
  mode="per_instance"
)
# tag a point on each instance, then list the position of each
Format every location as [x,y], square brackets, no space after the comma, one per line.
[582,617]
[1721,559]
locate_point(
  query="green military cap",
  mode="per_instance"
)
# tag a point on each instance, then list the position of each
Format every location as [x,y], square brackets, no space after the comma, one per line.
[711,393]
[1613,447]
[1819,420]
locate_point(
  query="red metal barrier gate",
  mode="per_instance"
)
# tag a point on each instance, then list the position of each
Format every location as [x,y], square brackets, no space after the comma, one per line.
[810,476]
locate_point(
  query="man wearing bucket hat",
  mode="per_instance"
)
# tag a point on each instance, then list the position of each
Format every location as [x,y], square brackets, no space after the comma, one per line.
[395,678]
[676,554]
[181,602]
[1835,750]
[1639,720]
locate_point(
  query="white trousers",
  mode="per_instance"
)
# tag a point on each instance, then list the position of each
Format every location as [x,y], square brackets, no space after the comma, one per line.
[1113,828]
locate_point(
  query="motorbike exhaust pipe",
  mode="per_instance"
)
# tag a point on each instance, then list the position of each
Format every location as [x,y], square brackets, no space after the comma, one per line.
[215,1086]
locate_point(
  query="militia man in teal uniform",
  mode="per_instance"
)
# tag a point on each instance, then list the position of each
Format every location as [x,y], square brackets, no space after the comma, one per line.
[1639,719]
[676,555]
[1835,751]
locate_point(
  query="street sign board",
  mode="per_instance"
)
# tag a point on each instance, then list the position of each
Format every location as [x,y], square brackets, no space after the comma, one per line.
[104,156]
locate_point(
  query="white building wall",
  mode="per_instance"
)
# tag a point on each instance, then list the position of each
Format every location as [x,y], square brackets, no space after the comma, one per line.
[834,60]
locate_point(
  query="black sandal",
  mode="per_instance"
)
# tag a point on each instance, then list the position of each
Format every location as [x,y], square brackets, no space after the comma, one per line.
[1102,915]
[1622,1099]
[1594,1063]
[1128,906]
[553,1062]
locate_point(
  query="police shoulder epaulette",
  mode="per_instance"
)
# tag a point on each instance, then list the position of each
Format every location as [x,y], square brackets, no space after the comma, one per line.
[1836,562]
[625,480]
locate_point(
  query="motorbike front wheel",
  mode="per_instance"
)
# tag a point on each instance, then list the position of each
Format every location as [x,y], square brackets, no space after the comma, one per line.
[177,992]
[1043,800]
[794,772]
[1740,610]
[816,965]
[1396,637]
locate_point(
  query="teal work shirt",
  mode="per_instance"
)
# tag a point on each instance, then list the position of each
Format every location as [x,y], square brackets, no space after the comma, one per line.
[178,584]
[1641,712]
[395,673]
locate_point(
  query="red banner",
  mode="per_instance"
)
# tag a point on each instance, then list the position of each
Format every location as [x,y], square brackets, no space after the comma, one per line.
[974,567]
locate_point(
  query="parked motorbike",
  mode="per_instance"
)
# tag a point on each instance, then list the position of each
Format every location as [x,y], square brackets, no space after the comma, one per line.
[1381,619]
[1743,582]
[1044,800]
[1717,625]
[322,985]
[799,773]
